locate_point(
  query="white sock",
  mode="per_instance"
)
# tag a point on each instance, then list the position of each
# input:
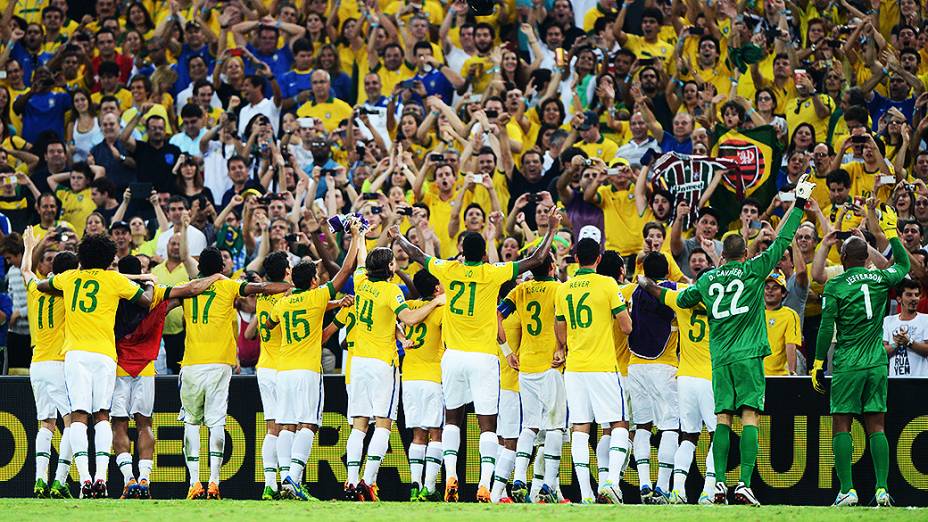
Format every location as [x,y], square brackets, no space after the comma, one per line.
[524,447]
[43,453]
[643,456]
[665,456]
[602,458]
[284,448]
[102,443]
[124,463]
[505,461]
[380,443]
[145,466]
[269,460]
[489,448]
[618,451]
[554,444]
[65,455]
[538,472]
[353,451]
[302,446]
[432,464]
[682,460]
[79,445]
[416,462]
[709,486]
[192,451]
[580,451]
[217,446]
[451,443]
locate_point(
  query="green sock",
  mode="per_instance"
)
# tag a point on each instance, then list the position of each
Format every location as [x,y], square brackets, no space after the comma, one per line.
[879,450]
[720,444]
[843,446]
[748,453]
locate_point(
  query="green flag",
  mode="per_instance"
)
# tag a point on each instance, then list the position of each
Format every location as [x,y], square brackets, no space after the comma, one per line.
[757,153]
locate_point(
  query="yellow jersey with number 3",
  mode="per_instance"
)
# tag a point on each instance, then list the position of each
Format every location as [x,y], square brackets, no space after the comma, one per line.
[534,305]
[423,360]
[269,337]
[376,305]
[469,317]
[588,303]
[211,324]
[300,317]
[90,301]
[693,327]
[46,324]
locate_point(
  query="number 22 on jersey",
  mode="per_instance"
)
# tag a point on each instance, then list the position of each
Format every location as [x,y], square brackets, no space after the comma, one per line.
[734,289]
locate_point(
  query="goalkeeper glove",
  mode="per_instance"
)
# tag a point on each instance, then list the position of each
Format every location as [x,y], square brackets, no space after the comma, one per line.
[804,187]
[888,221]
[818,376]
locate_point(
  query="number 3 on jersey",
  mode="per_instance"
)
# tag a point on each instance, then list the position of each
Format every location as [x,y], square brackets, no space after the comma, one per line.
[734,289]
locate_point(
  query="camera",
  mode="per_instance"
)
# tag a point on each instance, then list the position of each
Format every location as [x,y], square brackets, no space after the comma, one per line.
[491,113]
[436,158]
[404,211]
[531,198]
[290,238]
[364,110]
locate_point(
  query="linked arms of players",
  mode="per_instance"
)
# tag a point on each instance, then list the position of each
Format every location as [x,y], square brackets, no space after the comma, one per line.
[411,317]
[190,289]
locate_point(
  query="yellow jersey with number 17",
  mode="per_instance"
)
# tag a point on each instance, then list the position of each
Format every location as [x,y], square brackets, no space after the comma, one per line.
[90,301]
[376,305]
[534,304]
[469,317]
[212,324]
[693,327]
[588,303]
[300,316]
[269,337]
[423,360]
[46,324]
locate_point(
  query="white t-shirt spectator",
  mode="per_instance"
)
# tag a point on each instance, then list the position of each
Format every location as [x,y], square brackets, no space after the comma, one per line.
[265,107]
[196,242]
[905,362]
[215,169]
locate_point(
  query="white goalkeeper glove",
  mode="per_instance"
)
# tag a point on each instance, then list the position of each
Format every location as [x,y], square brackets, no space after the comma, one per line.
[804,187]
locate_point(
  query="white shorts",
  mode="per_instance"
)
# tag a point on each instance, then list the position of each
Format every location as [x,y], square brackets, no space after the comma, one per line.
[653,390]
[90,378]
[300,397]
[267,388]
[49,389]
[204,394]
[697,404]
[470,377]
[594,397]
[133,395]
[509,418]
[422,404]
[544,400]
[374,391]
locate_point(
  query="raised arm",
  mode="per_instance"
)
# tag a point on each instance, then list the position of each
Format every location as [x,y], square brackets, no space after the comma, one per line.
[536,258]
[415,253]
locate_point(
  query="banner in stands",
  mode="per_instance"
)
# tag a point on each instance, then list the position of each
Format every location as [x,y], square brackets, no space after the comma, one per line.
[794,466]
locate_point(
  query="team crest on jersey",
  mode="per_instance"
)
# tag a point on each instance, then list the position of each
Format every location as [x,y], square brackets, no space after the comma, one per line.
[328,115]
[499,264]
[399,299]
[773,322]
[438,261]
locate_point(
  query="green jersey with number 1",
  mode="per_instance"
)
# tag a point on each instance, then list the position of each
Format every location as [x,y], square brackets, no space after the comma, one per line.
[734,298]
[855,303]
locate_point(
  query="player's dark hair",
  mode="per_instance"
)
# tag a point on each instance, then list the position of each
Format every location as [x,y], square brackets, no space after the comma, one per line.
[474,246]
[303,274]
[210,261]
[543,270]
[587,251]
[655,266]
[275,266]
[908,284]
[64,261]
[733,247]
[504,289]
[611,264]
[425,283]
[129,265]
[96,251]
[653,12]
[378,264]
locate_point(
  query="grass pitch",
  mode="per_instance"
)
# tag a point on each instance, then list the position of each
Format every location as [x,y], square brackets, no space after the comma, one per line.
[180,510]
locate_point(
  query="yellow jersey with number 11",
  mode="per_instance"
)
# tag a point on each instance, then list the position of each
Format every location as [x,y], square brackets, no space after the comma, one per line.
[46,324]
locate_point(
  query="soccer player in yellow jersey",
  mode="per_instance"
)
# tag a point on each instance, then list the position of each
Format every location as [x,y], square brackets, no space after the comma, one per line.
[210,353]
[422,400]
[91,295]
[585,308]
[46,373]
[276,269]
[541,384]
[374,389]
[783,330]
[652,382]
[299,391]
[509,418]
[694,387]
[470,366]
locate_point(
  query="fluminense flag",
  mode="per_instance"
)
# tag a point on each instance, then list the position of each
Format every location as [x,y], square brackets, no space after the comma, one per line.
[686,177]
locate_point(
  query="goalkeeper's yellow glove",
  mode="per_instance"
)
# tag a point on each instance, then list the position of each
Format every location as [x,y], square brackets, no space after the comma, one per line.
[818,376]
[888,221]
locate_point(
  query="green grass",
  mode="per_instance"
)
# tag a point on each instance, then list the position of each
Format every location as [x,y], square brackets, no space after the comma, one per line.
[179,510]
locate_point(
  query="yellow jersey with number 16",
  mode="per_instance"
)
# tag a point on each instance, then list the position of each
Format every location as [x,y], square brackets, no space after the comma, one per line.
[212,324]
[300,316]
[588,303]
[423,360]
[46,323]
[376,305]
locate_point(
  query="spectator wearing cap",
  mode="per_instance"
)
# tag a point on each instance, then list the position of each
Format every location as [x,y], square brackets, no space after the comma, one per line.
[264,46]
[188,141]
[323,106]
[705,230]
[121,234]
[592,142]
[783,331]
[196,45]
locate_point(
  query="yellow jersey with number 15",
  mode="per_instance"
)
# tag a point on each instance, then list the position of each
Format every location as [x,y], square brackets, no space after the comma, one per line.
[300,316]
[269,337]
[376,305]
[423,360]
[534,304]
[211,324]
[588,303]
[469,317]
[90,301]
[46,323]
[693,327]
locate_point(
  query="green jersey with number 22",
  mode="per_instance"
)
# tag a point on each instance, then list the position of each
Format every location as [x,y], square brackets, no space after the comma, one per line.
[734,298]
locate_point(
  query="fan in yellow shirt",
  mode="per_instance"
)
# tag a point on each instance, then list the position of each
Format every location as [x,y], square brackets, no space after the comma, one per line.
[783,331]
[330,111]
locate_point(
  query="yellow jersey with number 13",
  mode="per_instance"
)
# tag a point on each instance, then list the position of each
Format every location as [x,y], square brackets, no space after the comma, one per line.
[46,323]
[588,303]
[423,360]
[469,317]
[212,324]
[300,316]
[376,305]
[693,327]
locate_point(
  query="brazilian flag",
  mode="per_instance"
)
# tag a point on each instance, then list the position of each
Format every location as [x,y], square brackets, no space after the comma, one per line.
[757,153]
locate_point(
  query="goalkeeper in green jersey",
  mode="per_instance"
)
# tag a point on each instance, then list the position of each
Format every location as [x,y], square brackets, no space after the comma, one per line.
[733,295]
[854,303]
